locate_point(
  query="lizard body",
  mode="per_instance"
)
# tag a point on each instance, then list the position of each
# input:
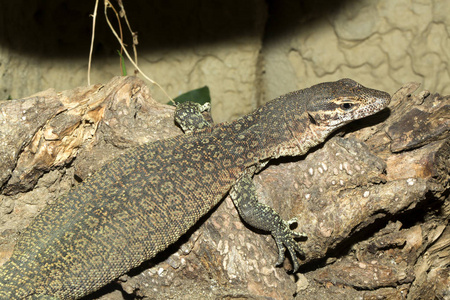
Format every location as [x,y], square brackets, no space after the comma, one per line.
[141,202]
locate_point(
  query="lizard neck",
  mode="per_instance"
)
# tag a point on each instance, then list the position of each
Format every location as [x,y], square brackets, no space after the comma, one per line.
[277,134]
[283,128]
[280,128]
[301,135]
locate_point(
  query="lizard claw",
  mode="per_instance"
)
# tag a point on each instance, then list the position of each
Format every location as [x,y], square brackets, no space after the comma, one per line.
[284,238]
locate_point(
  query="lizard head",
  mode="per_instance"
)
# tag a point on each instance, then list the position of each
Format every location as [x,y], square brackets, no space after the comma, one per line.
[311,114]
[334,104]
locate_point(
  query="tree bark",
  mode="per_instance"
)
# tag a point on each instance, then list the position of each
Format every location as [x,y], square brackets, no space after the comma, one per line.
[373,200]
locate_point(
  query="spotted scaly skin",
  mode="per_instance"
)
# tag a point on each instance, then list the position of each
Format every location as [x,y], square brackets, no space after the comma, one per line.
[138,204]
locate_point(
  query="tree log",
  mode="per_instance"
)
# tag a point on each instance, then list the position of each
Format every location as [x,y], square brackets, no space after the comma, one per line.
[373,200]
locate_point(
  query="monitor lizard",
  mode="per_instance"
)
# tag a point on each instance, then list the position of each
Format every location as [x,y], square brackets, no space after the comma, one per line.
[138,204]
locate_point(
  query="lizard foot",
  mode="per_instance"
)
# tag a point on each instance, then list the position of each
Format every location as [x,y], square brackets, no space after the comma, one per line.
[189,116]
[285,239]
[263,217]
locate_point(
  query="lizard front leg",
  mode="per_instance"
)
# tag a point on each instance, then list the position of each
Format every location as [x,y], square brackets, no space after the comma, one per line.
[263,217]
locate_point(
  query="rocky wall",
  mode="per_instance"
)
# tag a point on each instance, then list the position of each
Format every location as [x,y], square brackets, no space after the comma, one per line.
[247,52]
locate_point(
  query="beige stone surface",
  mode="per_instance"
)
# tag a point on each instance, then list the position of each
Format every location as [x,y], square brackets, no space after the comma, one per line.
[229,74]
[246,52]
[183,45]
[379,43]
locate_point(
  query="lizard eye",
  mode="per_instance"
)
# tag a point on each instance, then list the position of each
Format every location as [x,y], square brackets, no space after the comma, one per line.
[346,106]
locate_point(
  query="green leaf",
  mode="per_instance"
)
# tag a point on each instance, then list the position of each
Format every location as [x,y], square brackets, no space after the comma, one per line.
[122,63]
[200,95]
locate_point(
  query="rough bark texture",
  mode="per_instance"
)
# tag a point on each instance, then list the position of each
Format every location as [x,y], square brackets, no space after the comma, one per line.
[373,201]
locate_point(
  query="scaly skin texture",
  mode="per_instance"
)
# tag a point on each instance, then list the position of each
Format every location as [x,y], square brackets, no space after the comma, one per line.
[141,202]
